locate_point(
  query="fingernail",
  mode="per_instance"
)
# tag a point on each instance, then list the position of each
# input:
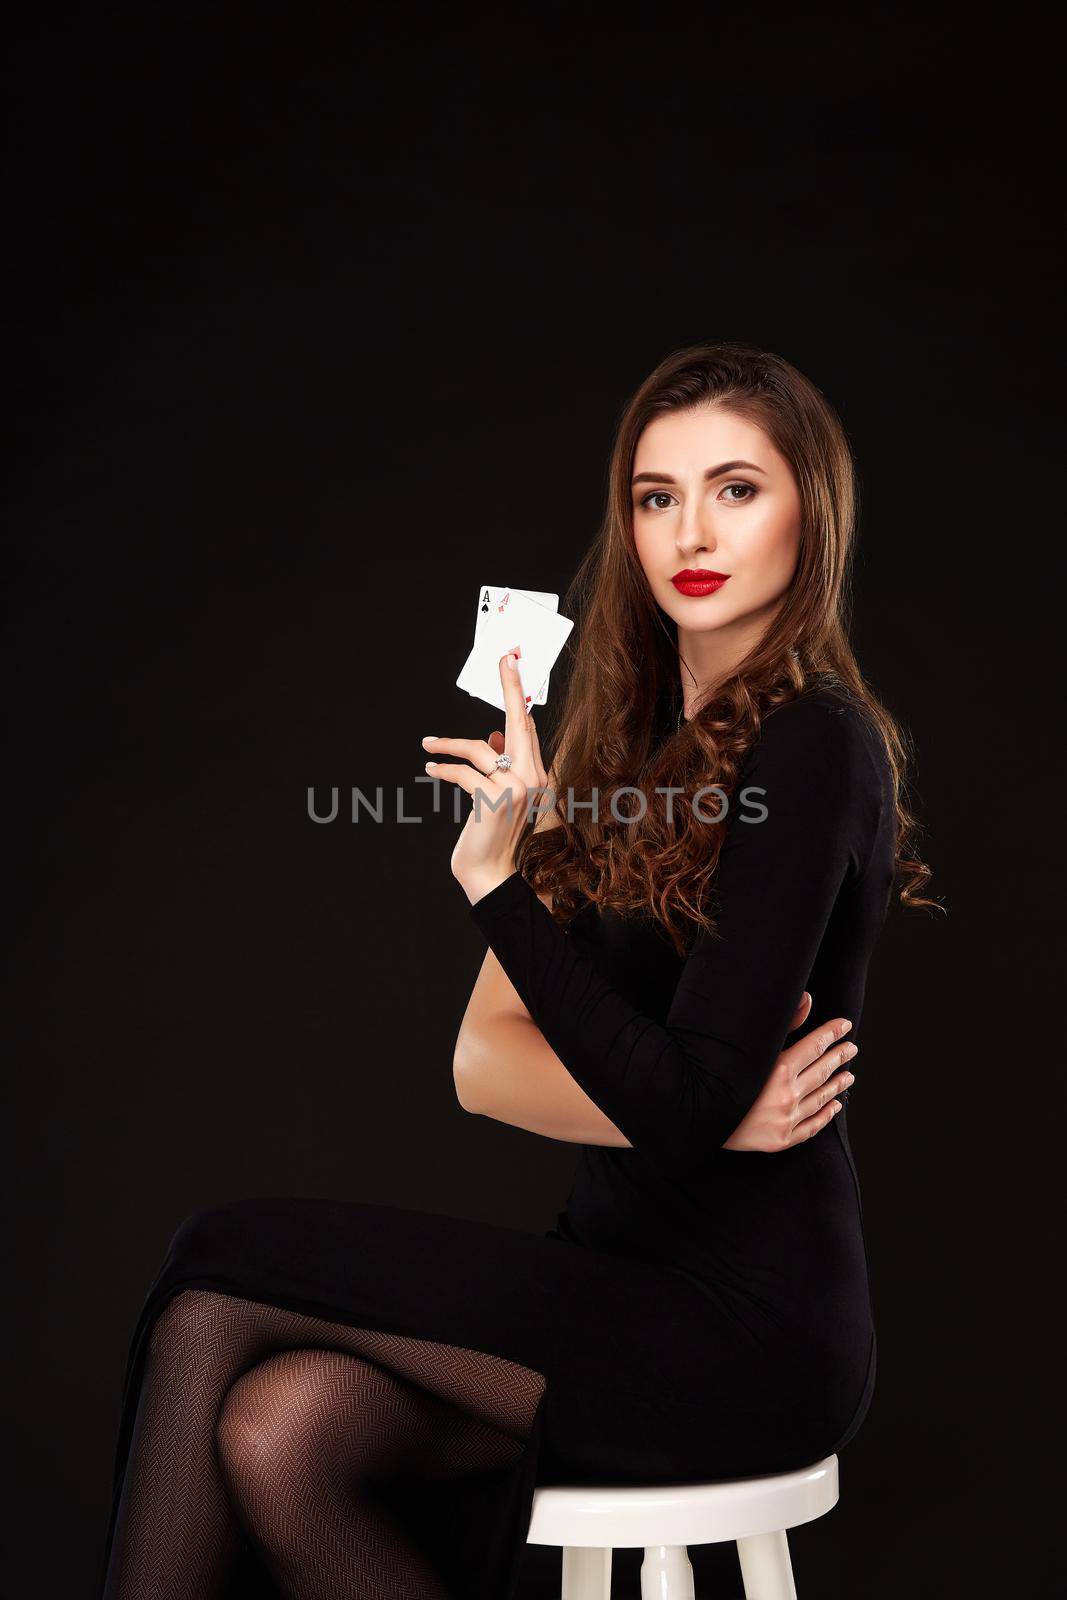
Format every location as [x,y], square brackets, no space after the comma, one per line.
[511,662]
[846,1027]
[428,738]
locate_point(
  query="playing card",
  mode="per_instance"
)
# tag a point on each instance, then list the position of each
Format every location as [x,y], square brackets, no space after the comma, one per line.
[514,619]
[489,597]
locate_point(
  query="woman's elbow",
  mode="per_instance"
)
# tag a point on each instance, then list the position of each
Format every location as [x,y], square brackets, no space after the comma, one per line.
[463,1074]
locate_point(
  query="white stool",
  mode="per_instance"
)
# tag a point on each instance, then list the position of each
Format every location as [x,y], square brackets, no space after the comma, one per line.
[590,1522]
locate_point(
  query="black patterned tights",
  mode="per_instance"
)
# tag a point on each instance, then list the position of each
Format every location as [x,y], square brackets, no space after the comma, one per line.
[260,1419]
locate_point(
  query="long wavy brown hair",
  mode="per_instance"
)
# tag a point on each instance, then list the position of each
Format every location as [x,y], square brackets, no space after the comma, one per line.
[618,727]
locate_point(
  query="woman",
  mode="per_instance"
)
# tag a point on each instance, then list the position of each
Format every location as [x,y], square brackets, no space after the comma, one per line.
[338,1399]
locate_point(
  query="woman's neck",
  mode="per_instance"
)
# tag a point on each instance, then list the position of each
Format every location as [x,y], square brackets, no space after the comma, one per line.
[707,657]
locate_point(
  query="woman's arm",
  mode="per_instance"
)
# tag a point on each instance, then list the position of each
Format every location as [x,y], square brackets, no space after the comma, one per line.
[678,1091]
[509,1073]
[504,1068]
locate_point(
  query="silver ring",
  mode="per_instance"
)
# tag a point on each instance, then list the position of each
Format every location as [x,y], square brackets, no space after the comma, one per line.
[502,762]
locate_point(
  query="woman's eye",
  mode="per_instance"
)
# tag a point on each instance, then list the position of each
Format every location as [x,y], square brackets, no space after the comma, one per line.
[746,492]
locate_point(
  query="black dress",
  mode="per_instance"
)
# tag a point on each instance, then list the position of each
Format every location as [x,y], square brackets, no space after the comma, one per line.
[696,1312]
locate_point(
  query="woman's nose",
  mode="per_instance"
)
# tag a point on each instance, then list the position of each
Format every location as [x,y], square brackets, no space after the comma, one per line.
[697,537]
[695,530]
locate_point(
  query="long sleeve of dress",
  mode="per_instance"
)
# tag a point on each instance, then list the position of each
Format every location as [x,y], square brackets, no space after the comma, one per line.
[679,1090]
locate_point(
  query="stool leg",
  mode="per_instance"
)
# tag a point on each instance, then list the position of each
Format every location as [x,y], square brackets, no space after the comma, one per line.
[586,1573]
[766,1569]
[667,1573]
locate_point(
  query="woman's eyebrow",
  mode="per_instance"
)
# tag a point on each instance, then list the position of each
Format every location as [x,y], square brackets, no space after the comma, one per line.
[712,472]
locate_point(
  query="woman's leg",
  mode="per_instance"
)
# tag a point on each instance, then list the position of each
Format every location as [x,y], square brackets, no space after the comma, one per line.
[176,1530]
[299,1436]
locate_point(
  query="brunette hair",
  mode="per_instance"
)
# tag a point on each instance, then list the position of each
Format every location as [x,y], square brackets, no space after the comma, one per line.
[617,725]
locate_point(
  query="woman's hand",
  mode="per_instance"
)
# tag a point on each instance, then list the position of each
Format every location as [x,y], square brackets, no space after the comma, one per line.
[485,852]
[797,1101]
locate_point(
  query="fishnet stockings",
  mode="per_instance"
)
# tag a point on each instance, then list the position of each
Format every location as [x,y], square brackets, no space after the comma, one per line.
[251,1416]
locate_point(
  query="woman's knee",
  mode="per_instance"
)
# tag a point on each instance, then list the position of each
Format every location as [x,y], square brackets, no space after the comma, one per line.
[284,1415]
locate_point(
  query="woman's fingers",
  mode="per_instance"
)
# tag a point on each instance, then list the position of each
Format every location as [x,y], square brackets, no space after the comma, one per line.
[836,1082]
[815,1060]
[808,1051]
[479,752]
[813,1125]
[463,776]
[498,742]
[501,795]
[516,730]
[816,1079]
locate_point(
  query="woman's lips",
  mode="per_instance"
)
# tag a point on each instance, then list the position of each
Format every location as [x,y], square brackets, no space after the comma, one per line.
[697,583]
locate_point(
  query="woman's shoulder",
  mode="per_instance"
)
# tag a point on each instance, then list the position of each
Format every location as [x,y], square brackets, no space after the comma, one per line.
[825,726]
[827,708]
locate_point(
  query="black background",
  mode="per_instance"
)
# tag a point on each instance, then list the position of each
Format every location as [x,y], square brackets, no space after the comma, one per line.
[317,322]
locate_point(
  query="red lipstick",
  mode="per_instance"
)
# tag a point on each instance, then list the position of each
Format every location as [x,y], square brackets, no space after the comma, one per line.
[698,580]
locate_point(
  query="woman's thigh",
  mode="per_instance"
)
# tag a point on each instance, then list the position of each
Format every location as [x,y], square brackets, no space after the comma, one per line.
[645,1375]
